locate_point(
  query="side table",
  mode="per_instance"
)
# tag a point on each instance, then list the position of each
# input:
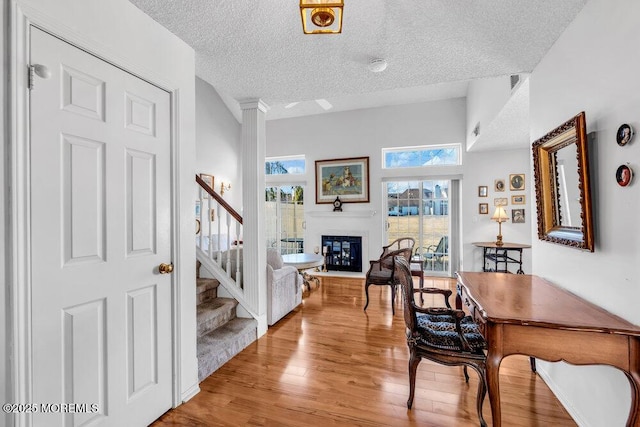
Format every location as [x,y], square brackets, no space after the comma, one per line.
[497,258]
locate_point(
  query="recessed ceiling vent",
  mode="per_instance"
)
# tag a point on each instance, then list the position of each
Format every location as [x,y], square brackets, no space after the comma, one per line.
[515,79]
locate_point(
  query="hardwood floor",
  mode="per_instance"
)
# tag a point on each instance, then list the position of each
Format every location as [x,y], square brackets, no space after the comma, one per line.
[328,363]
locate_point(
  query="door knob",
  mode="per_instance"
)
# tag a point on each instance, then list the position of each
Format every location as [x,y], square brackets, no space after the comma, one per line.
[165,268]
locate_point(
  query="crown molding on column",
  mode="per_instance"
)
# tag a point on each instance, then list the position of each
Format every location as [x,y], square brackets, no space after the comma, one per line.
[250,104]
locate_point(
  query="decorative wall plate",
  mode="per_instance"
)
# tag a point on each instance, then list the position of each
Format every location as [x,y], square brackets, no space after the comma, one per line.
[624,175]
[624,135]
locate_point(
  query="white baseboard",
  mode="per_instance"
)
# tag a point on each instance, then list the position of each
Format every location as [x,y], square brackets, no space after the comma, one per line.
[557,391]
[188,394]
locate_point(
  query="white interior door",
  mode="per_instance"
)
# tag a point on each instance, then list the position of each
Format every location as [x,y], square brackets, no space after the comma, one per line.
[101,225]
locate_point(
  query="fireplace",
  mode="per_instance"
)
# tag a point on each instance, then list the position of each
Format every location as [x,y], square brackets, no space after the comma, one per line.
[344,253]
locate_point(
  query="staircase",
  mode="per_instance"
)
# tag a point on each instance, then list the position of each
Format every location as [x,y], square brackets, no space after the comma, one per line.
[221,335]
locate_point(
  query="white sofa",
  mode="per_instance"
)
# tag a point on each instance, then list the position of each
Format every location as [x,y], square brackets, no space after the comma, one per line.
[284,287]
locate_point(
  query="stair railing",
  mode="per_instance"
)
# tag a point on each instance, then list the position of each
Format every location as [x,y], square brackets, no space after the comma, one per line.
[219,236]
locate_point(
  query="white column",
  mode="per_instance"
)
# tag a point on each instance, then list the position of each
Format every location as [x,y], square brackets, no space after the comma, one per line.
[253,153]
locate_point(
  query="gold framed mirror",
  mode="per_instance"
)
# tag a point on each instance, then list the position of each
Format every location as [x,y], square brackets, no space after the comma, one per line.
[563,197]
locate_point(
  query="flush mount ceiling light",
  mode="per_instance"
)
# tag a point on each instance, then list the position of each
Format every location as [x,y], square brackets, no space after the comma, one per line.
[321,16]
[377,65]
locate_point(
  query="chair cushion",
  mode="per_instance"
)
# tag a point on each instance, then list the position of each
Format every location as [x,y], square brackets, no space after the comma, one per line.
[274,259]
[379,276]
[444,336]
[444,318]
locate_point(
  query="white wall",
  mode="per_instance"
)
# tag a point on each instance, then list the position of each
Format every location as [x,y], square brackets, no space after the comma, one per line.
[218,142]
[593,67]
[485,98]
[364,133]
[121,33]
[483,168]
[4,263]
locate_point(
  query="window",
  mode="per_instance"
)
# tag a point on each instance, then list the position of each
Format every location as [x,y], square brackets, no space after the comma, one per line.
[285,218]
[420,209]
[428,155]
[293,165]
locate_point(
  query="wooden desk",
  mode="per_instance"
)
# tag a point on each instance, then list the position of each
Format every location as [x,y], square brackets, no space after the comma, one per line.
[524,314]
[500,255]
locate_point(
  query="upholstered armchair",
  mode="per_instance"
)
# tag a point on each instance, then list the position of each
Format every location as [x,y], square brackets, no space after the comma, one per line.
[440,334]
[284,287]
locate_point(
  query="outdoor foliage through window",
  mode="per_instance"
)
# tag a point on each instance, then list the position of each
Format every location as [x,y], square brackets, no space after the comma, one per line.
[282,166]
[434,155]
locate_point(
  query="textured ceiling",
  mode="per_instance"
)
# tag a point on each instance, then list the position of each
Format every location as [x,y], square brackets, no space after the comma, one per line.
[256,49]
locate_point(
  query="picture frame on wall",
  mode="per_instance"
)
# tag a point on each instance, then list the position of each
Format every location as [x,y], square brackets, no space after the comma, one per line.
[518,199]
[500,201]
[483,191]
[624,134]
[498,185]
[517,216]
[209,180]
[516,181]
[483,208]
[346,178]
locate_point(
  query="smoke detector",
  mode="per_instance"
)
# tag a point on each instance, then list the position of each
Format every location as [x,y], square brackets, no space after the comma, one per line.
[377,65]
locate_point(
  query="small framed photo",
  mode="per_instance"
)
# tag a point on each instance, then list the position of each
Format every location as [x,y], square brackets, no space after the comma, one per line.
[483,191]
[624,134]
[624,175]
[518,200]
[517,216]
[500,201]
[483,208]
[209,180]
[516,181]
[498,185]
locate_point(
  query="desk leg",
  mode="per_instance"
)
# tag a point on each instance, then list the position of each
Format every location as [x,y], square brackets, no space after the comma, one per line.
[494,358]
[634,380]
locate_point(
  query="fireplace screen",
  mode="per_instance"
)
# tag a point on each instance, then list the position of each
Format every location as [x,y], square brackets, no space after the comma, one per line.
[344,253]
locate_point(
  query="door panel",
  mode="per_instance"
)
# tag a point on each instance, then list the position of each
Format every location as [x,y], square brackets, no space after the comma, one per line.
[420,209]
[100,226]
[285,218]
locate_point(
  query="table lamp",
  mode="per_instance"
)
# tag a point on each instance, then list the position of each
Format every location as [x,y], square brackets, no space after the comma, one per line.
[499,216]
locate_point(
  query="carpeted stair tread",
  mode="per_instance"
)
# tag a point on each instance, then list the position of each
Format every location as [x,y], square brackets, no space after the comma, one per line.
[215,313]
[206,289]
[217,347]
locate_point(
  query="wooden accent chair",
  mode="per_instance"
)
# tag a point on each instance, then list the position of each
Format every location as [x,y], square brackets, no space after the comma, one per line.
[382,271]
[441,334]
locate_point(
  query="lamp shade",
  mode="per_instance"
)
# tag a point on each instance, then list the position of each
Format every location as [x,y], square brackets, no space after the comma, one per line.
[500,215]
[321,16]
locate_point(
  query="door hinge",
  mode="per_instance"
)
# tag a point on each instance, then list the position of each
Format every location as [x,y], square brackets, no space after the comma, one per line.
[31,74]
